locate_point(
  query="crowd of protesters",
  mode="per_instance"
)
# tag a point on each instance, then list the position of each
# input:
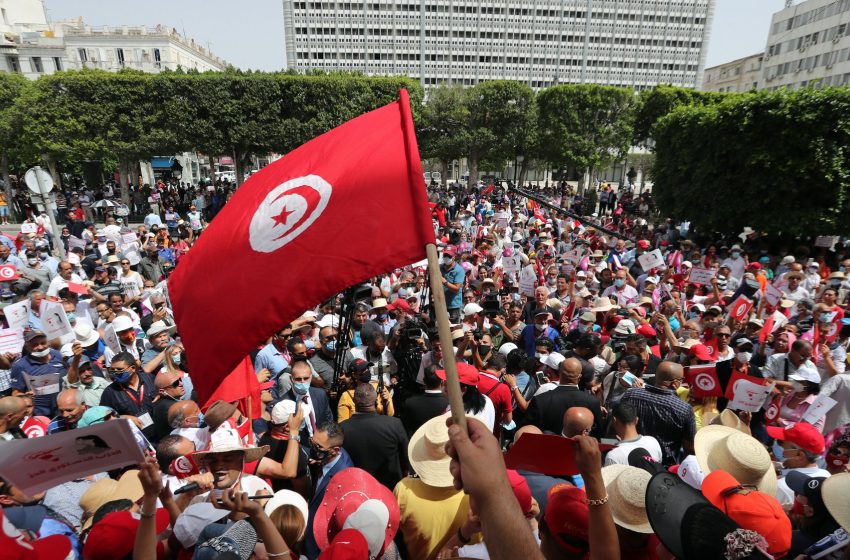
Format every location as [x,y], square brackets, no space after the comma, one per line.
[560,335]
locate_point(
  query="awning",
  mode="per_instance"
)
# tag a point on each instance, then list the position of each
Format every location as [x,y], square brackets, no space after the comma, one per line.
[162,162]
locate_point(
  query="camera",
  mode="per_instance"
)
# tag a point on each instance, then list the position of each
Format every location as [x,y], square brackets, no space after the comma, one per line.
[413,333]
[491,304]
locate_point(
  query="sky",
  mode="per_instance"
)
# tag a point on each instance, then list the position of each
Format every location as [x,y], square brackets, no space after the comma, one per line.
[249,34]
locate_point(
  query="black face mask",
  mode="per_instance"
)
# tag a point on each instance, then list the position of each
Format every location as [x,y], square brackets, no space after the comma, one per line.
[319,454]
[364,377]
[484,349]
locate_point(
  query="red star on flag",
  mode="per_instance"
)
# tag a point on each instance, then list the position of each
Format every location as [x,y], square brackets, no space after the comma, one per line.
[281,218]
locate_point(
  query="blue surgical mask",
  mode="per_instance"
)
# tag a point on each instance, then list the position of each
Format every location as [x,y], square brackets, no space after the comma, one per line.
[330,346]
[619,282]
[735,254]
[122,377]
[824,317]
[301,388]
[177,358]
[72,317]
[201,420]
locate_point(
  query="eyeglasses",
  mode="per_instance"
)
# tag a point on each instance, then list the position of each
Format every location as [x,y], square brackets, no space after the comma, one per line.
[177,383]
[724,335]
[126,263]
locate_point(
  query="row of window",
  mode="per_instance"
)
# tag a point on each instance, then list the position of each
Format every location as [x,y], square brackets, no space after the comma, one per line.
[834,33]
[808,63]
[811,16]
[13,63]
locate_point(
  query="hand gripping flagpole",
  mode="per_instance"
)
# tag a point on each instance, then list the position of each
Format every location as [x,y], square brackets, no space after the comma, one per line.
[438,297]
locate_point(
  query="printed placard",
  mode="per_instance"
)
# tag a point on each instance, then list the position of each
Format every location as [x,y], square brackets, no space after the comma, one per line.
[55,322]
[18,314]
[11,341]
[701,276]
[749,396]
[28,228]
[650,260]
[772,295]
[818,409]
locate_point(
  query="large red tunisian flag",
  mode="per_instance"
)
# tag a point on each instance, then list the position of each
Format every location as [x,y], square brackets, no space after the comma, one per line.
[344,207]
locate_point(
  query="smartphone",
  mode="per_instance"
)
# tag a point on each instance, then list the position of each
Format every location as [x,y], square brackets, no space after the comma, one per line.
[540,379]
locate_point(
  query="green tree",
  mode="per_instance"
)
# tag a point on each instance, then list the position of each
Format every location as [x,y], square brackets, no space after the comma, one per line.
[653,104]
[587,126]
[444,131]
[11,86]
[774,161]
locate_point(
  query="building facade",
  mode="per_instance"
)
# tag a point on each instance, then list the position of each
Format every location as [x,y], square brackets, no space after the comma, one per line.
[739,75]
[32,46]
[629,43]
[808,45]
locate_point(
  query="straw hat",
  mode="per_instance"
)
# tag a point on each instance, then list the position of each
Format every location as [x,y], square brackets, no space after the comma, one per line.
[730,419]
[742,456]
[602,304]
[626,487]
[128,487]
[427,453]
[834,492]
[226,439]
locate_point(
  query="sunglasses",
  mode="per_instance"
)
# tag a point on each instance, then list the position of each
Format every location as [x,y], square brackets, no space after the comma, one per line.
[176,384]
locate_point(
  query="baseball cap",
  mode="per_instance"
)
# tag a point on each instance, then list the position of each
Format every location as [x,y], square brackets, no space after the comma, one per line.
[806,374]
[808,486]
[700,352]
[689,471]
[588,317]
[567,517]
[358,365]
[467,374]
[521,491]
[348,544]
[115,535]
[282,411]
[752,510]
[471,309]
[450,250]
[802,434]
[553,360]
[507,348]
[30,335]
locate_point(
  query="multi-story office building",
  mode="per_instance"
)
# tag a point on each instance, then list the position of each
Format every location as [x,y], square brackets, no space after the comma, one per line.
[808,45]
[743,74]
[32,46]
[631,43]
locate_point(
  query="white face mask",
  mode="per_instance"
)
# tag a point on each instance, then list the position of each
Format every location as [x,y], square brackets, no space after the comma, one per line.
[539,327]
[580,284]
[744,357]
[40,353]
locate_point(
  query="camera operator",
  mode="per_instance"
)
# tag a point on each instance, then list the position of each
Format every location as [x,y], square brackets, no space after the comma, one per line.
[507,329]
[479,345]
[432,357]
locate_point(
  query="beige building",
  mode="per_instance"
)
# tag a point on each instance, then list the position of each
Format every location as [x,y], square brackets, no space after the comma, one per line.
[739,75]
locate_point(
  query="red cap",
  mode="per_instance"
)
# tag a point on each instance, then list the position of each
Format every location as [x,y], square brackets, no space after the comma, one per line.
[266,385]
[752,510]
[567,517]
[467,374]
[754,266]
[450,250]
[521,491]
[115,534]
[646,331]
[16,546]
[701,352]
[349,544]
[802,434]
[400,303]
[664,243]
[643,244]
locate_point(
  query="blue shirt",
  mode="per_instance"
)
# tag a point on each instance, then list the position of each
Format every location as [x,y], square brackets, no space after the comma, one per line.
[45,404]
[270,358]
[454,276]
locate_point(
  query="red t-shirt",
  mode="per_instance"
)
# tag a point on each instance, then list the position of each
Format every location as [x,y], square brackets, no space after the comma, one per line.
[497,392]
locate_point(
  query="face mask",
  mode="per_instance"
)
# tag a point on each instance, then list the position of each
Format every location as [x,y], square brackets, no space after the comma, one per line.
[201,420]
[744,357]
[797,387]
[318,454]
[580,284]
[365,377]
[539,328]
[330,346]
[122,377]
[40,353]
[446,262]
[72,317]
[582,328]
[43,255]
[552,281]
[735,254]
[483,349]
[841,268]
[177,358]
[381,316]
[824,317]
[619,282]
[301,388]
[32,262]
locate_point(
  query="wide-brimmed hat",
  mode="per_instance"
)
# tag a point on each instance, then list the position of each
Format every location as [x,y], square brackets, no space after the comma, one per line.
[85,334]
[427,453]
[835,490]
[602,304]
[128,487]
[347,491]
[731,420]
[626,487]
[742,456]
[159,327]
[226,439]
[94,415]
[625,327]
[378,303]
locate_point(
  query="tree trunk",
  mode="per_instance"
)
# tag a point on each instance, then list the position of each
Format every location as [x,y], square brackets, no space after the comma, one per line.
[523,172]
[444,171]
[212,169]
[7,184]
[585,182]
[240,167]
[472,180]
[51,167]
[123,172]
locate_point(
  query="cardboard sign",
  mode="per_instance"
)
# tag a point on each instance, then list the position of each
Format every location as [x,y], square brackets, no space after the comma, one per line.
[545,454]
[11,341]
[772,295]
[703,381]
[701,276]
[75,242]
[527,279]
[740,307]
[650,260]
[8,273]
[749,396]
[57,458]
[510,265]
[18,314]
[111,339]
[28,228]
[55,322]
[77,288]
[818,409]
[826,241]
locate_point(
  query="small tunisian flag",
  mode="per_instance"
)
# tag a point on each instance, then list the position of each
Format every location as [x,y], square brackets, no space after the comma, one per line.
[703,381]
[346,206]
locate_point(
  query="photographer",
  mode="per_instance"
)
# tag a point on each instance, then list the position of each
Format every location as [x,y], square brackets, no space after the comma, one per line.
[507,329]
[480,346]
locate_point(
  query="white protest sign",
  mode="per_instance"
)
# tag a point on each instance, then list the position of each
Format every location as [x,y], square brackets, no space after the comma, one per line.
[749,396]
[128,238]
[772,295]
[55,322]
[573,256]
[102,248]
[510,265]
[75,242]
[74,454]
[11,341]
[818,409]
[111,339]
[527,278]
[701,276]
[29,228]
[652,259]
[131,253]
[826,241]
[18,314]
[501,219]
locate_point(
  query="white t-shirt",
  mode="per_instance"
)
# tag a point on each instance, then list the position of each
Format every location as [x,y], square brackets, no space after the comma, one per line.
[737,267]
[620,454]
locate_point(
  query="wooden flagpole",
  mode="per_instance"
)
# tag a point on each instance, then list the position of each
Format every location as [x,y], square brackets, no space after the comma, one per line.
[438,298]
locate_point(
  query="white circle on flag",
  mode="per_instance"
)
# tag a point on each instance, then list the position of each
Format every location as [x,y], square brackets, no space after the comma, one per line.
[736,385]
[741,309]
[704,381]
[772,412]
[286,211]
[7,272]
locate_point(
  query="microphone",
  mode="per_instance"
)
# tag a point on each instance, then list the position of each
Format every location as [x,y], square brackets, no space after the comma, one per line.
[187,488]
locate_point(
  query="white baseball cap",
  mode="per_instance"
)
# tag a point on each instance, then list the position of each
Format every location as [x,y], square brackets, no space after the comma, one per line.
[806,374]
[282,411]
[553,360]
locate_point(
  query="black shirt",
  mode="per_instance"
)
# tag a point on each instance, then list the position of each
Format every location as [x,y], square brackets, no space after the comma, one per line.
[277,451]
[421,408]
[378,445]
[126,401]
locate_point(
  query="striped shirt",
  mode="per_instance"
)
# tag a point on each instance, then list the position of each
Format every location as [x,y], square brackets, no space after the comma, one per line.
[664,416]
